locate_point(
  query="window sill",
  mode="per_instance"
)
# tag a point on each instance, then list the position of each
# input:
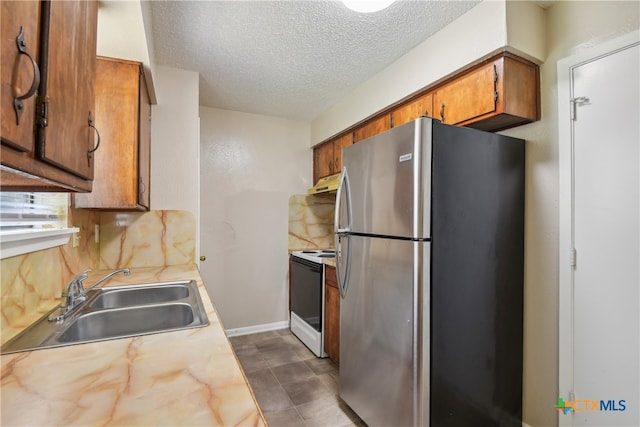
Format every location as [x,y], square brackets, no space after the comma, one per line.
[19,242]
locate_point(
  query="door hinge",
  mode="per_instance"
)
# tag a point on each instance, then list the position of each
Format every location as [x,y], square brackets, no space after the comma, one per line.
[42,111]
[572,257]
[495,97]
[495,74]
[574,105]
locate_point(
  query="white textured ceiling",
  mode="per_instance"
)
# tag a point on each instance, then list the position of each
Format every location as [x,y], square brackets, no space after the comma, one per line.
[293,59]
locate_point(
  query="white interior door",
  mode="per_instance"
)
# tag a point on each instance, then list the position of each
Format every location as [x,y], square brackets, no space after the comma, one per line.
[604,252]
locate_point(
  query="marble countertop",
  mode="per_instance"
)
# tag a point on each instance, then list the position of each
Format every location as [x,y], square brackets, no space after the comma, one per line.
[189,377]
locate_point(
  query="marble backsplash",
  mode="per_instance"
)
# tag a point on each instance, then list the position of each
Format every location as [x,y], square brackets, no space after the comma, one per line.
[149,239]
[31,284]
[311,222]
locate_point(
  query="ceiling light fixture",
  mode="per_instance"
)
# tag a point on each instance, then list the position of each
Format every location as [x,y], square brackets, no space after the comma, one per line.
[367,6]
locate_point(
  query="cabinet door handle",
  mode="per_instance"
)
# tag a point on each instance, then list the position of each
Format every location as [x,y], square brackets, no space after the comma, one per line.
[90,152]
[442,113]
[17,101]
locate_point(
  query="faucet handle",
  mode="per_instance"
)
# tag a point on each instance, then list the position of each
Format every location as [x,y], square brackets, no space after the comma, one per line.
[74,288]
[82,276]
[79,279]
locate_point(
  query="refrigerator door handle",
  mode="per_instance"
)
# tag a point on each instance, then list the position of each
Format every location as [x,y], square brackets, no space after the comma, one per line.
[343,232]
[343,280]
[343,187]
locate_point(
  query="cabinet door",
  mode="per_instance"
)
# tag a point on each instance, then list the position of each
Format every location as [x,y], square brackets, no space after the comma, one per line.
[69,57]
[20,77]
[340,143]
[331,315]
[372,128]
[122,162]
[470,96]
[322,161]
[422,106]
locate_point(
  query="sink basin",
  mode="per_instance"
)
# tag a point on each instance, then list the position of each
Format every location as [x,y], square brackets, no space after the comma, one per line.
[105,324]
[118,312]
[126,296]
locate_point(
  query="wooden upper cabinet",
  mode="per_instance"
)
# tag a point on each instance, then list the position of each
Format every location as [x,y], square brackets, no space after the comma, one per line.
[20,72]
[69,89]
[327,158]
[497,94]
[494,96]
[468,97]
[60,37]
[338,144]
[122,114]
[421,106]
[372,127]
[322,161]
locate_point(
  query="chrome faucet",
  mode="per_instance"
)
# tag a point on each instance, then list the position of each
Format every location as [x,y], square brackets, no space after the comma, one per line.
[126,272]
[75,294]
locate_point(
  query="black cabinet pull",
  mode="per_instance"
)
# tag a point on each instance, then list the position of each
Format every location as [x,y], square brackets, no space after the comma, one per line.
[17,101]
[442,113]
[90,152]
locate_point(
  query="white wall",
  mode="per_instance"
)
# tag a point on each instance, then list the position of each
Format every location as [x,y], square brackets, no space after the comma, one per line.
[250,166]
[546,36]
[175,142]
[122,33]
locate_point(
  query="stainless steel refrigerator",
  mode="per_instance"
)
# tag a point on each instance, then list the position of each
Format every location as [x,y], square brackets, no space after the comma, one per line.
[430,252]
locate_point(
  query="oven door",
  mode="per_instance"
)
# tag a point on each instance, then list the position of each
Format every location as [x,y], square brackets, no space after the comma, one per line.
[306,291]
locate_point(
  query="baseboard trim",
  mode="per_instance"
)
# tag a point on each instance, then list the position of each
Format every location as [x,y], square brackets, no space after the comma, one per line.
[257,328]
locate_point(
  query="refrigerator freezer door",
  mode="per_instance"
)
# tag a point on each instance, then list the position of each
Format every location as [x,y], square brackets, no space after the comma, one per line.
[384,357]
[388,177]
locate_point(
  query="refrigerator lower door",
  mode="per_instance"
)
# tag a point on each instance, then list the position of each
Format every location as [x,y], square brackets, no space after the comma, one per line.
[384,327]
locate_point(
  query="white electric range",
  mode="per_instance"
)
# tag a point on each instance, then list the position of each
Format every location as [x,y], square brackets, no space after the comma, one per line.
[307,297]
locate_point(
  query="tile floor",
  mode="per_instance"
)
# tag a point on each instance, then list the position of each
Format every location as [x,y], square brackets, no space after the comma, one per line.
[293,387]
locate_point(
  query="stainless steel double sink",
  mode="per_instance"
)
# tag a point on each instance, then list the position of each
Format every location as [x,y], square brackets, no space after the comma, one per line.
[118,312]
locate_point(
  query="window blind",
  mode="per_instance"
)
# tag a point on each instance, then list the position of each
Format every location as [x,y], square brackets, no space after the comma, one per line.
[31,222]
[31,211]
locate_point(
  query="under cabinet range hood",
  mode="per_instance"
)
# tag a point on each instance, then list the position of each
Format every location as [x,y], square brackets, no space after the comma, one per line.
[325,185]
